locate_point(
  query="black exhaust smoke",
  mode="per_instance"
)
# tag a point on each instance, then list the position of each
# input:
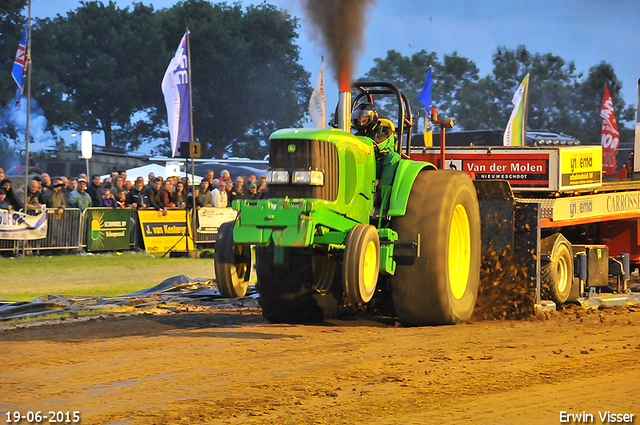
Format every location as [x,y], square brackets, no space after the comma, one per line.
[341,24]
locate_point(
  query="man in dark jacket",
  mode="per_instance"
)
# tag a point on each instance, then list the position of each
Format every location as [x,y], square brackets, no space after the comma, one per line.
[236,192]
[95,191]
[153,196]
[136,197]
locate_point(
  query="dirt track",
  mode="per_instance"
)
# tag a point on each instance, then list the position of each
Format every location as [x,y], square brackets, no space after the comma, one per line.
[213,366]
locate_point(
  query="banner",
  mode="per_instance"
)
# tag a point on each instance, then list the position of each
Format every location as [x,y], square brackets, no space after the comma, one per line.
[175,88]
[108,229]
[161,233]
[209,219]
[425,98]
[316,103]
[515,134]
[15,225]
[19,71]
[610,135]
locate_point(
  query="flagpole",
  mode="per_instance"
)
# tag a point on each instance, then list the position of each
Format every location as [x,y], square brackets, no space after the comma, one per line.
[28,65]
[525,112]
[26,148]
[193,172]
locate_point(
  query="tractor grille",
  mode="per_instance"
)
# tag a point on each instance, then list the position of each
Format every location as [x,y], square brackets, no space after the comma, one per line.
[314,154]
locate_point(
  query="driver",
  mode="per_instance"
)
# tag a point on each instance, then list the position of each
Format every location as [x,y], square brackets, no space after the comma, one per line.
[364,119]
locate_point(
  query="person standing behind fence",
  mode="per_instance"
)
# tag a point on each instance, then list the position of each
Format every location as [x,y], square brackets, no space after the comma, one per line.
[179,195]
[95,191]
[33,195]
[79,198]
[165,194]
[135,198]
[204,197]
[11,197]
[219,195]
[153,196]
[118,186]
[108,200]
[4,205]
[236,191]
[54,198]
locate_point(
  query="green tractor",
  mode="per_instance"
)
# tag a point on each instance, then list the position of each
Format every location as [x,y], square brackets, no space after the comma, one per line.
[330,230]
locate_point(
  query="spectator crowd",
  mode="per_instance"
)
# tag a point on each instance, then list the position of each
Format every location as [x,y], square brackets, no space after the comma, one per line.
[116,191]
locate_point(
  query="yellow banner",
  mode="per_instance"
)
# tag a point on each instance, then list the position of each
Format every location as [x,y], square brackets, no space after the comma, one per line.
[580,167]
[601,205]
[161,233]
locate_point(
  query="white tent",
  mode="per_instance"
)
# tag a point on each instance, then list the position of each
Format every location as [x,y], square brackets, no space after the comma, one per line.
[157,170]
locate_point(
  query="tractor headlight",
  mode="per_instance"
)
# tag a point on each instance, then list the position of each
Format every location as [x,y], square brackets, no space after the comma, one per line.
[277,177]
[310,177]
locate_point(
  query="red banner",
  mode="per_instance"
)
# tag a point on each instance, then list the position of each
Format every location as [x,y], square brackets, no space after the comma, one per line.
[610,135]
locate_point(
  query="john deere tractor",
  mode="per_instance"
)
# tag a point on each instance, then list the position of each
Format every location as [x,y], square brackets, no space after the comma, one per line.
[331,232]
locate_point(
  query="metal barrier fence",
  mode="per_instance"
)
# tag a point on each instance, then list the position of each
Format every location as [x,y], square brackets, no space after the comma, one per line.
[69,231]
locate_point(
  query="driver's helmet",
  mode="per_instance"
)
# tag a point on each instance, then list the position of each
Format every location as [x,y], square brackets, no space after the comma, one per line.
[364,117]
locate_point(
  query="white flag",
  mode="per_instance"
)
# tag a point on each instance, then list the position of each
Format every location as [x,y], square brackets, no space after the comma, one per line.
[515,133]
[316,103]
[175,87]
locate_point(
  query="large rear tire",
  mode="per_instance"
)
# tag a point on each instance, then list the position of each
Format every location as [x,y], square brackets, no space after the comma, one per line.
[296,291]
[230,263]
[439,287]
[556,275]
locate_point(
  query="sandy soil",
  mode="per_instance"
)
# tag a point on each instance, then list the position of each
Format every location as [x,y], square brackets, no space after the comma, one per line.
[231,367]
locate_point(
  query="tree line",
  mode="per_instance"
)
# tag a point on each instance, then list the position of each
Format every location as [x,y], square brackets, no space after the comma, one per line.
[99,68]
[561,99]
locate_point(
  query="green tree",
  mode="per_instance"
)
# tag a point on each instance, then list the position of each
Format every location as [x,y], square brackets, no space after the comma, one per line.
[246,78]
[93,69]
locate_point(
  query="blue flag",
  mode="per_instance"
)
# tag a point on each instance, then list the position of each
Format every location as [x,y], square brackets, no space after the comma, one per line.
[175,88]
[425,98]
[19,71]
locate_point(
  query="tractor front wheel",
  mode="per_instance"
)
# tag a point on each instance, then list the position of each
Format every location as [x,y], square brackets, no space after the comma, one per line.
[441,285]
[361,263]
[231,263]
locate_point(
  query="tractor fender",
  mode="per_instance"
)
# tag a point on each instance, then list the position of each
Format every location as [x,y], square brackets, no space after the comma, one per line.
[406,174]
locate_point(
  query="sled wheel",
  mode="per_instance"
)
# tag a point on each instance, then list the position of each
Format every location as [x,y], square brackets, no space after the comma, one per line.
[288,292]
[440,286]
[557,274]
[230,264]
[361,263]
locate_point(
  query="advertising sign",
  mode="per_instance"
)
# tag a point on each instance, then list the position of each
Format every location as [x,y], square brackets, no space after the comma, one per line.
[161,233]
[599,205]
[525,170]
[580,167]
[15,225]
[108,229]
[209,219]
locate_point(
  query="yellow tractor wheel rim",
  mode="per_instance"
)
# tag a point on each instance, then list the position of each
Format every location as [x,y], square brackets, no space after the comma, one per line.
[369,265]
[561,274]
[459,252]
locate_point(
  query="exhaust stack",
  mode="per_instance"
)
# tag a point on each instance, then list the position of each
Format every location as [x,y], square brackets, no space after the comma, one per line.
[344,111]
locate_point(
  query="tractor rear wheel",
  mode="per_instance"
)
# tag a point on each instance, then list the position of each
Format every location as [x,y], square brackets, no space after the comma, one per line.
[440,286]
[230,263]
[556,274]
[303,289]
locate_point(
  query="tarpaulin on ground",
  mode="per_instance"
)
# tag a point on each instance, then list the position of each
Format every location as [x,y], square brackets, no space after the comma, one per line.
[174,290]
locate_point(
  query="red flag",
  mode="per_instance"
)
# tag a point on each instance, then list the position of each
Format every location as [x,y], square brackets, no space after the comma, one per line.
[610,135]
